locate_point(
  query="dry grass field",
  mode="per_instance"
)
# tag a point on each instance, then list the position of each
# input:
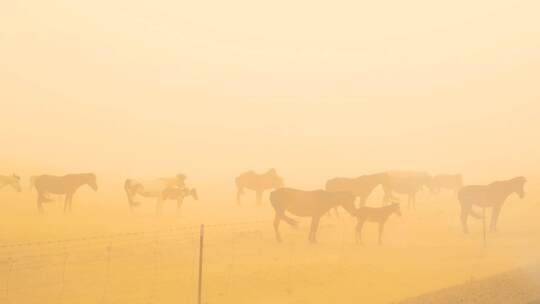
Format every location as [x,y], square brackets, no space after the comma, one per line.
[102,254]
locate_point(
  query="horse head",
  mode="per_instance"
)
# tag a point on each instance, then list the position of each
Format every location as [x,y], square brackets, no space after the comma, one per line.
[519,184]
[16,183]
[346,200]
[275,180]
[92,181]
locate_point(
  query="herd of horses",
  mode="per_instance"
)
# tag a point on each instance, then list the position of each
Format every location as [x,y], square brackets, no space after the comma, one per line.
[351,194]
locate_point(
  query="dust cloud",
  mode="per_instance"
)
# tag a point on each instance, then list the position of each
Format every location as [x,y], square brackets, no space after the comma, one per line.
[264,122]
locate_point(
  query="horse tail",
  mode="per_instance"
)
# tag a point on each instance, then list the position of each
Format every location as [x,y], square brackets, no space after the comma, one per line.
[128,186]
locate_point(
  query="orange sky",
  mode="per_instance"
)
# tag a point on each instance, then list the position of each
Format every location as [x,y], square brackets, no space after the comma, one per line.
[313,88]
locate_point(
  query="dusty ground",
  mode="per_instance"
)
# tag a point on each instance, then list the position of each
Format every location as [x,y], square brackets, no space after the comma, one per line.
[424,251]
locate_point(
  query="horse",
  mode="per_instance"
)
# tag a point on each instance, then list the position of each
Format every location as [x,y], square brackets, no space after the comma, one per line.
[403,182]
[14,181]
[177,193]
[65,185]
[492,195]
[376,215]
[258,183]
[312,204]
[161,189]
[361,186]
[452,182]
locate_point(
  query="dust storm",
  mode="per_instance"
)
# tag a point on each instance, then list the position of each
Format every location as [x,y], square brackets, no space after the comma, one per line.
[284,152]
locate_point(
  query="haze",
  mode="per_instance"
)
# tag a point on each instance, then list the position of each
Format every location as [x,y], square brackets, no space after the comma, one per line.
[315,89]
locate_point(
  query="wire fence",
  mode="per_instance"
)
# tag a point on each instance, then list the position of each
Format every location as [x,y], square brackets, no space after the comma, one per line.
[158,266]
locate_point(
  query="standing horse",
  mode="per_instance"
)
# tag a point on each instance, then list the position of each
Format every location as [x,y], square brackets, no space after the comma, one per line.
[14,181]
[161,189]
[361,186]
[64,185]
[258,183]
[378,215]
[403,182]
[312,204]
[493,195]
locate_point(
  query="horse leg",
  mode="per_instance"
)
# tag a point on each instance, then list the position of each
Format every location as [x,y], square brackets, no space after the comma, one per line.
[66,203]
[381,228]
[71,201]
[239,191]
[277,220]
[494,218]
[465,210]
[259,194]
[359,227]
[313,229]
[159,206]
[179,203]
[39,203]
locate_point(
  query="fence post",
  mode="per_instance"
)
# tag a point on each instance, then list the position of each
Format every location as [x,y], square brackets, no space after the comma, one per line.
[201,247]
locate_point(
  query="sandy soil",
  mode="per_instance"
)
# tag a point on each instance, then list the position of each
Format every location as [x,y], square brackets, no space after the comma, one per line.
[423,251]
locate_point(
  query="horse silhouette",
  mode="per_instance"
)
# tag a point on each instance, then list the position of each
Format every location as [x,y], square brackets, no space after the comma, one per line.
[361,186]
[452,182]
[493,195]
[162,189]
[64,185]
[312,204]
[258,183]
[375,215]
[14,181]
[405,182]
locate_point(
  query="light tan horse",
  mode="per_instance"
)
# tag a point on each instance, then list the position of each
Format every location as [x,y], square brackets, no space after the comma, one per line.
[162,189]
[177,193]
[14,181]
[258,183]
[313,204]
[64,185]
[375,215]
[493,195]
[405,182]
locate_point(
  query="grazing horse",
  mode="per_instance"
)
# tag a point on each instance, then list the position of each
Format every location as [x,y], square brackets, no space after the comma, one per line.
[312,204]
[65,185]
[14,181]
[161,188]
[403,182]
[376,215]
[258,183]
[361,186]
[493,195]
[452,182]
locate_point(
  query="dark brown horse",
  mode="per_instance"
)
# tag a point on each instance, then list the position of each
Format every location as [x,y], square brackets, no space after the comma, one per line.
[313,204]
[258,183]
[65,185]
[493,195]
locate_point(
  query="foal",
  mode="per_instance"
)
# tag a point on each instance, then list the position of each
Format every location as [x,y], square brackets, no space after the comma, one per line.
[375,215]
